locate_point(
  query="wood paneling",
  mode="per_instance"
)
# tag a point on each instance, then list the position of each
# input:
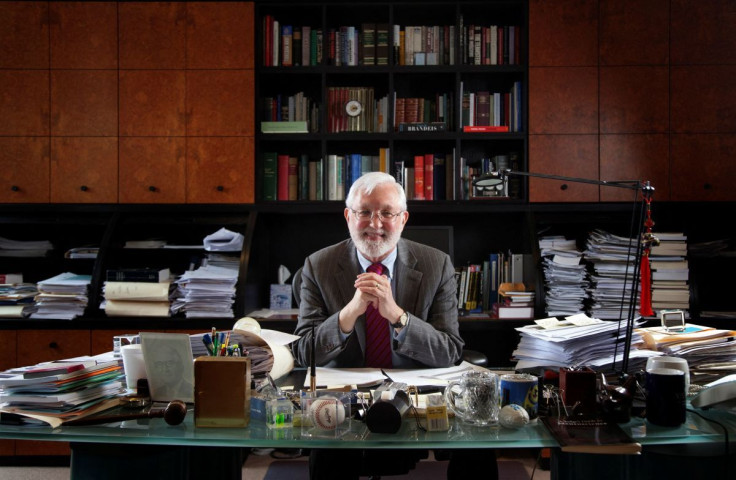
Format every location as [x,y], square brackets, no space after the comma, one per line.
[642,157]
[84,103]
[219,35]
[563,33]
[152,103]
[84,170]
[703,98]
[218,169]
[24,169]
[634,99]
[703,32]
[220,102]
[24,35]
[152,35]
[566,102]
[24,102]
[84,34]
[633,32]
[152,170]
[566,155]
[703,167]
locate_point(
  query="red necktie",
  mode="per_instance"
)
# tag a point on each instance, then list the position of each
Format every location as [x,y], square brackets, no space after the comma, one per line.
[377,334]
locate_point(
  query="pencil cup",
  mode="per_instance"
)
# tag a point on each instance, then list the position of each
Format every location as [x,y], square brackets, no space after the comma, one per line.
[325,414]
[133,365]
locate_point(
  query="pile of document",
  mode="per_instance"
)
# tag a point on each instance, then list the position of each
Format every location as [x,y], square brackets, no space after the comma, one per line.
[24,248]
[17,299]
[49,393]
[136,299]
[710,352]
[565,276]
[613,260]
[670,273]
[206,292]
[63,297]
[578,340]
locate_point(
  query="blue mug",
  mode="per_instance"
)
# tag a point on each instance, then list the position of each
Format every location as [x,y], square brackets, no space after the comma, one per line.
[521,389]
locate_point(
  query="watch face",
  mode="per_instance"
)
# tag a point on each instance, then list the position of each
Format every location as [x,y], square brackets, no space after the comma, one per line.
[353,108]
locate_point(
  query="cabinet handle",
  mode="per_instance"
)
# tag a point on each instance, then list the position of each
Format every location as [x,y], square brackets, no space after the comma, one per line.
[151,188]
[563,186]
[220,188]
[707,186]
[53,345]
[15,188]
[84,188]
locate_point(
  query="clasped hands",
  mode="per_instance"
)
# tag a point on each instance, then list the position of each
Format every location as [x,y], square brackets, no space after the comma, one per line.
[370,289]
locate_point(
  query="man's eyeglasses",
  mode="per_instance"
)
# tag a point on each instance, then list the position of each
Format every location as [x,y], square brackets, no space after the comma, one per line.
[383,215]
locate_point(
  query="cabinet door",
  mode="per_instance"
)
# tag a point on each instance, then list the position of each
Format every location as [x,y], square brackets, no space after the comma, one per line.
[220,170]
[24,170]
[152,170]
[703,168]
[564,155]
[84,170]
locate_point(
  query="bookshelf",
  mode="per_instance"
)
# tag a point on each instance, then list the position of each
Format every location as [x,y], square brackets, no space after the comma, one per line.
[389,86]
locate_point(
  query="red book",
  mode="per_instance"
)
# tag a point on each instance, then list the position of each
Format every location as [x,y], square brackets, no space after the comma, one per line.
[419,177]
[283,177]
[485,128]
[293,187]
[429,176]
[58,369]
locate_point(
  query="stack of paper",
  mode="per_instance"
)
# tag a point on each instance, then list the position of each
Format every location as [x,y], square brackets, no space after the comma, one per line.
[565,276]
[20,248]
[45,393]
[577,341]
[16,300]
[670,273]
[62,297]
[206,292]
[611,284]
[136,299]
[710,352]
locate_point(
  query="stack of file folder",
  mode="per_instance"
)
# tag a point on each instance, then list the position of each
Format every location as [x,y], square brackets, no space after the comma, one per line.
[206,292]
[48,394]
[17,299]
[613,259]
[577,341]
[63,297]
[565,276]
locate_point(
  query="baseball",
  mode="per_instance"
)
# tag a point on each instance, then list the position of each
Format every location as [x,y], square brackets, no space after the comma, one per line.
[513,416]
[327,413]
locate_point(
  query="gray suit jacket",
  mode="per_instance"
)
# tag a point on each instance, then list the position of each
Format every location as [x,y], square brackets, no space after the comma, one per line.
[424,286]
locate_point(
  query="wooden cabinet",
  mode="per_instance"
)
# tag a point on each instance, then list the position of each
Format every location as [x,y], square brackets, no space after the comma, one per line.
[26,181]
[84,170]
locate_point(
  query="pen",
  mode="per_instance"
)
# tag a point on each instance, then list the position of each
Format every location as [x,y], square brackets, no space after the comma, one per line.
[214,341]
[207,340]
[313,370]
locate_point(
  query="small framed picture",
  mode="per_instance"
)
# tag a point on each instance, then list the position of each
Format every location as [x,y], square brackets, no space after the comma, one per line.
[169,366]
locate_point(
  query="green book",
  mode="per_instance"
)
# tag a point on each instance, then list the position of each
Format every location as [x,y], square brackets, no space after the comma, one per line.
[270,174]
[284,127]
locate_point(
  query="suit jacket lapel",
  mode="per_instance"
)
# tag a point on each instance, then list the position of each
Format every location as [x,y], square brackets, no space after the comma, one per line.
[407,278]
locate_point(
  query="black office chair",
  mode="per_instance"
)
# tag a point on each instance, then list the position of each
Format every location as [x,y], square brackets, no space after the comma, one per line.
[473,357]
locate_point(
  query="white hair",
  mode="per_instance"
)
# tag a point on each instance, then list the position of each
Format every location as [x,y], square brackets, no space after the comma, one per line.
[367,182]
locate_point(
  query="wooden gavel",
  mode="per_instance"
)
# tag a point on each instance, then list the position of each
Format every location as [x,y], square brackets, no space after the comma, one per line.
[173,414]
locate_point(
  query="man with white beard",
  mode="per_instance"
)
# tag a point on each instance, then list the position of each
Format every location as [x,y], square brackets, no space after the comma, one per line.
[413,296]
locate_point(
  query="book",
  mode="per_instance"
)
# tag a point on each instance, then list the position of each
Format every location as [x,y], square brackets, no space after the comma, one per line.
[137,275]
[485,128]
[9,278]
[270,174]
[499,310]
[53,369]
[283,177]
[418,177]
[284,127]
[590,436]
[422,127]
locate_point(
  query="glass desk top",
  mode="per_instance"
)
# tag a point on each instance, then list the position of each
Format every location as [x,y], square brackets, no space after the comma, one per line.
[155,431]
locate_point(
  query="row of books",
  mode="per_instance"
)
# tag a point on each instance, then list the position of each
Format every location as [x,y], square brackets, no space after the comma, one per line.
[510,188]
[491,44]
[288,45]
[498,109]
[499,286]
[670,272]
[416,114]
[429,177]
[291,108]
[355,109]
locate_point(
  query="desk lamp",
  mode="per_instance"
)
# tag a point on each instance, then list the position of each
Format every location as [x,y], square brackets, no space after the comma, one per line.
[498,181]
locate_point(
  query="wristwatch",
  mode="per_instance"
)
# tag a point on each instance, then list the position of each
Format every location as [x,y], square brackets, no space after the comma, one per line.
[403,320]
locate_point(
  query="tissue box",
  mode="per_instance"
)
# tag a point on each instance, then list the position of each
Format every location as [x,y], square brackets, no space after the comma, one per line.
[280,297]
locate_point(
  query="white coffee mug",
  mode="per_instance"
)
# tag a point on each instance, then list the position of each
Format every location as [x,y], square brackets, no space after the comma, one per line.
[133,365]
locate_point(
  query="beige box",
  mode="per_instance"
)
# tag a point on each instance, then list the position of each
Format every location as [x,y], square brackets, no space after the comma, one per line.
[222,391]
